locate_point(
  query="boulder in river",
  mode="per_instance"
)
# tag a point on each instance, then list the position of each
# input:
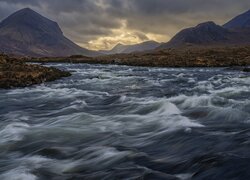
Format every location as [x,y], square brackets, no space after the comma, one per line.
[246,70]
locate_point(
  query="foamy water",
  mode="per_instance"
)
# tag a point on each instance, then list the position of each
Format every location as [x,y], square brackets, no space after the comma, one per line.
[119,122]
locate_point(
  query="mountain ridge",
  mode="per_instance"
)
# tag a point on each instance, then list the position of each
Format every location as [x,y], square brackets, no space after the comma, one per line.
[202,34]
[26,32]
[234,32]
[125,49]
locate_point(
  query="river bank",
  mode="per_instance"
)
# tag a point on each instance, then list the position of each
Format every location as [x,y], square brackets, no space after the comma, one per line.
[186,57]
[16,73]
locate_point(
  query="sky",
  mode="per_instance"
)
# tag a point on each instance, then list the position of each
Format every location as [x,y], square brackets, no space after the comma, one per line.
[101,24]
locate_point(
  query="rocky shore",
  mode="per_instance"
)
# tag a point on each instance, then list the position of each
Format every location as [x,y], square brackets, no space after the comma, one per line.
[16,73]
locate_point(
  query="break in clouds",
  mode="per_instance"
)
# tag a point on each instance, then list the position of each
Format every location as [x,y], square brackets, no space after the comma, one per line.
[100,24]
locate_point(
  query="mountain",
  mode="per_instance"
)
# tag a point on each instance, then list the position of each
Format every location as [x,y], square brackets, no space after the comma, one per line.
[144,46]
[239,22]
[119,48]
[203,34]
[28,33]
[234,33]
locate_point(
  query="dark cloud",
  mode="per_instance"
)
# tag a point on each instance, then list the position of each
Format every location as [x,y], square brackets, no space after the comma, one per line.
[88,20]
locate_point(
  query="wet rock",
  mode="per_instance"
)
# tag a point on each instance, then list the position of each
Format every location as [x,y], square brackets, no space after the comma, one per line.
[246,70]
[15,73]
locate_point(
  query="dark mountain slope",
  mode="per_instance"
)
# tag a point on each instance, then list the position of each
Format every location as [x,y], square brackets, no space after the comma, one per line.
[28,33]
[239,22]
[203,34]
[209,34]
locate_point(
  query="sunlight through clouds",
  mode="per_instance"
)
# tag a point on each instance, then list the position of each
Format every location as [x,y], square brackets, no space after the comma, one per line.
[101,24]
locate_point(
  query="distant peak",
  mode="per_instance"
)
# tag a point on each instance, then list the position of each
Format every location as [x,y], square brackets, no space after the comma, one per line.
[119,44]
[26,10]
[205,24]
[150,41]
[30,19]
[26,15]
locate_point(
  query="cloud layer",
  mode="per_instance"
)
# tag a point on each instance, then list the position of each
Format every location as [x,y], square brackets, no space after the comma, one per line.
[100,24]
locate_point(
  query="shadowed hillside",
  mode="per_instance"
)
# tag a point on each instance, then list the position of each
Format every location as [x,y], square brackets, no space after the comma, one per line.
[28,33]
[235,32]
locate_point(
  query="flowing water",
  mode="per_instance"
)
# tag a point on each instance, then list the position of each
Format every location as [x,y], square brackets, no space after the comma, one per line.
[118,122]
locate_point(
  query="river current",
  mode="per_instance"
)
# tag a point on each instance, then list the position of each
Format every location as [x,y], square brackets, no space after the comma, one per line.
[119,122]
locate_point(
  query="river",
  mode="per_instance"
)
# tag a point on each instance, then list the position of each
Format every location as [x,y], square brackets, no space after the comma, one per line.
[119,122]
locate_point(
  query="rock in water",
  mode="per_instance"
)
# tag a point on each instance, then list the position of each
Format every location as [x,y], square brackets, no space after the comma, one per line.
[246,70]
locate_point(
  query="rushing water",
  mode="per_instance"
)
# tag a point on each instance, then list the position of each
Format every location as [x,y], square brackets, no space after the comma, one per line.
[118,122]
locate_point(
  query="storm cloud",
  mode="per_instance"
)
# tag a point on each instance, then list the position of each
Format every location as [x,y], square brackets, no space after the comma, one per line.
[100,24]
